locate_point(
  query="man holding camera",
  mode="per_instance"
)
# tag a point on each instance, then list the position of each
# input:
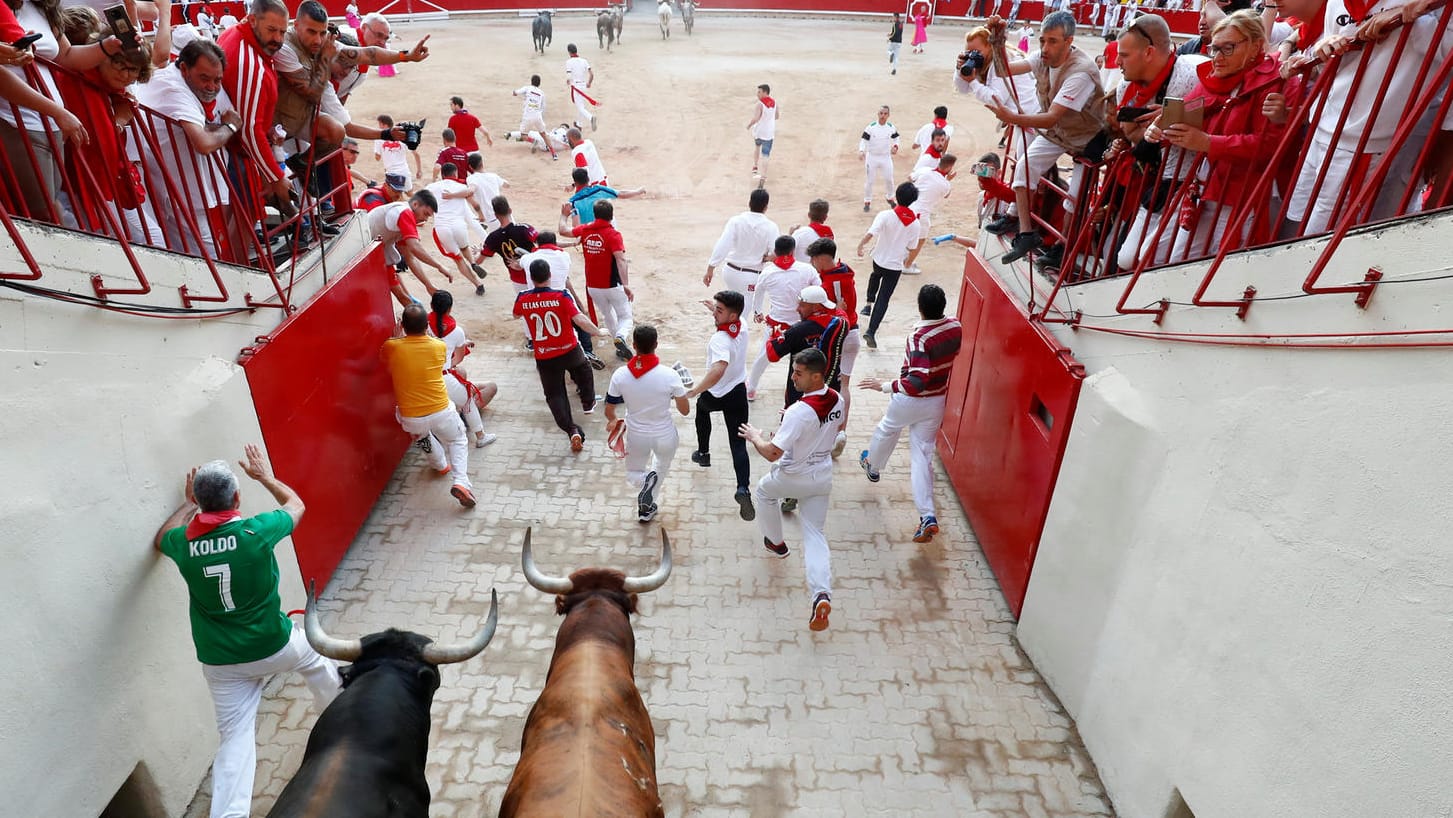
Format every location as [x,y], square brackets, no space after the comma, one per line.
[1068,87]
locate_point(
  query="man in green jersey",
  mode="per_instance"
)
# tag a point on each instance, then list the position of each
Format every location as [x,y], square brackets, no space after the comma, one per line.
[240,631]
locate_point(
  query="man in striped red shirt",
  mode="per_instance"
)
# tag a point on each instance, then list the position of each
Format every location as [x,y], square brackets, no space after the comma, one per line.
[251,83]
[917,402]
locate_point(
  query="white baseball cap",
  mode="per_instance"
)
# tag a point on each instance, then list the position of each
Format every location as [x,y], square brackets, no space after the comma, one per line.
[816,295]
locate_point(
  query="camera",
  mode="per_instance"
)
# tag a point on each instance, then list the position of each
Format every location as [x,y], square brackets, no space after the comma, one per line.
[973,62]
[333,29]
[413,133]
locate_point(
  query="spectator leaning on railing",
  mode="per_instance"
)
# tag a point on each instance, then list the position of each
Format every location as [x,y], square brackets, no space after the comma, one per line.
[39,182]
[14,89]
[251,82]
[1245,116]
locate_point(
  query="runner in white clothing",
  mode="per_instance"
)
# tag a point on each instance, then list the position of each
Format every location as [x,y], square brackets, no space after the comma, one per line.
[801,457]
[939,122]
[775,300]
[647,390]
[745,243]
[483,187]
[877,147]
[933,187]
[584,155]
[468,398]
[579,76]
[763,129]
[532,112]
[451,224]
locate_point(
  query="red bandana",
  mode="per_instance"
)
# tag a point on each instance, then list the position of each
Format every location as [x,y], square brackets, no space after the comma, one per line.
[904,214]
[822,404]
[448,325]
[785,262]
[641,364]
[1139,95]
[205,521]
[547,247]
[940,123]
[768,102]
[733,329]
[934,152]
[822,230]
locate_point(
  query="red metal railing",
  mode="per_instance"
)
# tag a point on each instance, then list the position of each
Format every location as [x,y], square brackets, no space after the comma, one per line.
[206,206]
[1397,89]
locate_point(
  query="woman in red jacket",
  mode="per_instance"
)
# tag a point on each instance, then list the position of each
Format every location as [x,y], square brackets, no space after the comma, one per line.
[1245,115]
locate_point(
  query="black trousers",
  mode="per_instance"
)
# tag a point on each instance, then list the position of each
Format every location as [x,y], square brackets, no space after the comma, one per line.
[881,285]
[733,407]
[552,380]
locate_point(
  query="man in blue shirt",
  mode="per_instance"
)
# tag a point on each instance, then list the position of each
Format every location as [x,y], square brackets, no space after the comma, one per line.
[581,205]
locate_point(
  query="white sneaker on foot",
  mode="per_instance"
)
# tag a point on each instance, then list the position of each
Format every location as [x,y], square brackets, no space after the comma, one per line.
[481,442]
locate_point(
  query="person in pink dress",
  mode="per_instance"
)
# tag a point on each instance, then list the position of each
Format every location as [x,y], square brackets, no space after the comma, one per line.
[920,28]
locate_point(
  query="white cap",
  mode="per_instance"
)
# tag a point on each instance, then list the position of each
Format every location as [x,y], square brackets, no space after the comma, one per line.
[816,295]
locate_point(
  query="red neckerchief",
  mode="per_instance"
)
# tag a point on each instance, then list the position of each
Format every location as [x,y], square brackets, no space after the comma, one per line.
[934,152]
[641,364]
[1139,95]
[822,403]
[547,247]
[1309,31]
[210,109]
[443,327]
[205,521]
[733,329]
[1225,86]
[904,215]
[768,102]
[940,172]
[822,230]
[940,123]
[785,262]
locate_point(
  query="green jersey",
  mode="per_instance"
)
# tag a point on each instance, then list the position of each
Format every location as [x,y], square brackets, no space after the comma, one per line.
[232,579]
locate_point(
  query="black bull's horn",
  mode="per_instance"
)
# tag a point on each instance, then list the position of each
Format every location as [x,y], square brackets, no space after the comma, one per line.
[563,585]
[348,650]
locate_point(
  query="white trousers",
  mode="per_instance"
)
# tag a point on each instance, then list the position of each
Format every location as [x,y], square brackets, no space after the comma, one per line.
[1138,242]
[447,429]
[759,363]
[581,105]
[639,450]
[236,693]
[811,494]
[459,396]
[533,122]
[921,417]
[1316,216]
[878,167]
[614,310]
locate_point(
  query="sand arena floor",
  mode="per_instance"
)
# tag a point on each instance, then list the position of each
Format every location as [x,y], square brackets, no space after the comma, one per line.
[917,701]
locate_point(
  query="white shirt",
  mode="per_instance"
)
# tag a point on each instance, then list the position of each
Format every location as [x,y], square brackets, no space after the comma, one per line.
[534,101]
[31,18]
[933,188]
[577,71]
[766,126]
[207,24]
[878,139]
[393,155]
[647,399]
[894,239]
[925,134]
[806,440]
[451,212]
[559,262]
[167,94]
[804,237]
[484,186]
[383,221]
[781,290]
[452,341]
[1024,98]
[1406,73]
[723,347]
[586,156]
[227,21]
[747,239]
[926,161]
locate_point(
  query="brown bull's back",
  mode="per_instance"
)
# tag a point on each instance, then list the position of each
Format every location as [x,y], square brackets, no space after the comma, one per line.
[588,749]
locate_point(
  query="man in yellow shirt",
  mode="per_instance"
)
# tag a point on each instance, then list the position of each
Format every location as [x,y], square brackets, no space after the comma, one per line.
[416,362]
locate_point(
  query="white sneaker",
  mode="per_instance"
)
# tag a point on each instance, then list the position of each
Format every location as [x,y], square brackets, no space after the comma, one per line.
[839,445]
[912,270]
[481,442]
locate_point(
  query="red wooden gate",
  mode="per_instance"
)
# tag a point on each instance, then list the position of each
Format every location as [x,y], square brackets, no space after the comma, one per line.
[326,408]
[1010,402]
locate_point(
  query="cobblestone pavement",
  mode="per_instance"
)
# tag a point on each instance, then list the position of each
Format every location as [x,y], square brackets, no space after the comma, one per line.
[917,700]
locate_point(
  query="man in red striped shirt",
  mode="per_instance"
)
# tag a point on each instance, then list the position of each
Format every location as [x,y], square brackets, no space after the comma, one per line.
[917,402]
[251,83]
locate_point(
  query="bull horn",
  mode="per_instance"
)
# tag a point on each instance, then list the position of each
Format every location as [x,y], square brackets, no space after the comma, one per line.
[548,584]
[446,654]
[342,650]
[640,585]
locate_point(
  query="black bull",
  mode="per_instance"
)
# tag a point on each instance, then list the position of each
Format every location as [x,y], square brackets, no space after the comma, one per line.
[366,755]
[543,30]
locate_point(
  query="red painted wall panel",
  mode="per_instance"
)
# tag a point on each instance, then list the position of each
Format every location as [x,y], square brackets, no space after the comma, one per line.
[330,430]
[1011,400]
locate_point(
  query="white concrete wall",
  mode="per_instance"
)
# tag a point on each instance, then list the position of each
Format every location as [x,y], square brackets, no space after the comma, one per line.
[104,414]
[1243,590]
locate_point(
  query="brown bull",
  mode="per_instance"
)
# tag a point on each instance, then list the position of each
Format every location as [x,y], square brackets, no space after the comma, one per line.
[588,749]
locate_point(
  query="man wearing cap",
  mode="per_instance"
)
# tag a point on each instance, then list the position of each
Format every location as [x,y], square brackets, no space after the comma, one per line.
[394,184]
[822,326]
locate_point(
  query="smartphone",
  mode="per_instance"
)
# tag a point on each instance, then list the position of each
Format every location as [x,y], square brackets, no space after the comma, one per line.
[122,27]
[1179,112]
[27,41]
[1130,114]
